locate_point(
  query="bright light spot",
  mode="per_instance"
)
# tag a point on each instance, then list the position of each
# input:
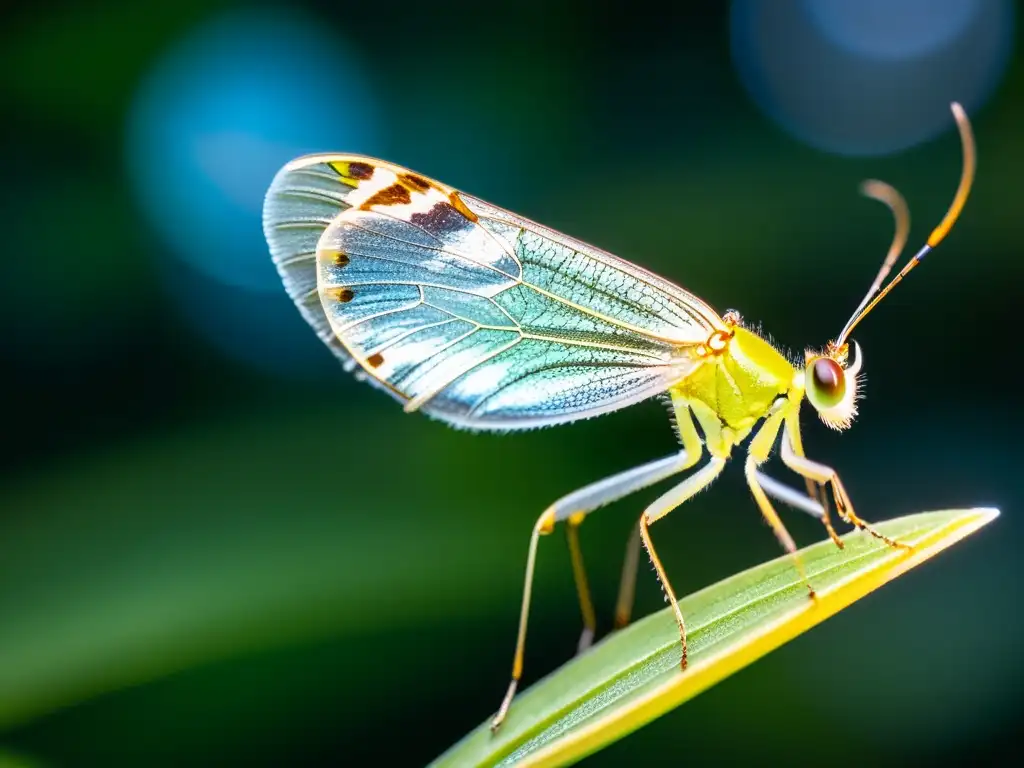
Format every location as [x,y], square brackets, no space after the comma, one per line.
[221,111]
[885,29]
[869,77]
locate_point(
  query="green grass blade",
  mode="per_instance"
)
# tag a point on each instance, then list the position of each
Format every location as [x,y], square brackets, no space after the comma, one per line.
[633,676]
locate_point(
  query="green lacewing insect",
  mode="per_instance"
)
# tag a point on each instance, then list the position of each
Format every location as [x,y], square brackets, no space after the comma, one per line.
[488,321]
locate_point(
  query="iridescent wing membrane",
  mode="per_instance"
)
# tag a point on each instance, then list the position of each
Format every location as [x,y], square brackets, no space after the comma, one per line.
[465,311]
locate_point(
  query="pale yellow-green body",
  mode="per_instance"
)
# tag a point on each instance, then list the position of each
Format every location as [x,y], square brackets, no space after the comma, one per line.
[736,387]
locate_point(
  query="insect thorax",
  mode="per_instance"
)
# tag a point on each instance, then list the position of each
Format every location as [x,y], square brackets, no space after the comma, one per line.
[738,382]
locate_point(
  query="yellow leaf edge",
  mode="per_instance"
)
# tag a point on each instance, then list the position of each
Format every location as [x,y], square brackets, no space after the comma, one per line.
[605,729]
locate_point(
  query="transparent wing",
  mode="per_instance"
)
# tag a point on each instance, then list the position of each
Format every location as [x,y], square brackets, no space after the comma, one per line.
[302,201]
[468,312]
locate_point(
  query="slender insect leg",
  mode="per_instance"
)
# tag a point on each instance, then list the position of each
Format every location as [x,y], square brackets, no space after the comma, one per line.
[661,507]
[824,474]
[576,505]
[574,508]
[757,454]
[772,517]
[694,447]
[791,496]
[544,525]
[817,492]
[815,488]
[579,573]
[627,584]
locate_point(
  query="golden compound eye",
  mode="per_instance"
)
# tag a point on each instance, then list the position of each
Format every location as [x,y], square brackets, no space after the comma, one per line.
[826,382]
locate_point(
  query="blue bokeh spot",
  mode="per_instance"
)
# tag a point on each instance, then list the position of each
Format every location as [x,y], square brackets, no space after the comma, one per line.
[893,29]
[221,111]
[869,77]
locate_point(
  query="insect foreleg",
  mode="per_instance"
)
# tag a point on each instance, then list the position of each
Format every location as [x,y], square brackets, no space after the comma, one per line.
[823,474]
[757,454]
[572,509]
[815,488]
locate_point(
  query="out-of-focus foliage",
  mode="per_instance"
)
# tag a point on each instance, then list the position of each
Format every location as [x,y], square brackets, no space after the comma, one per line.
[216,546]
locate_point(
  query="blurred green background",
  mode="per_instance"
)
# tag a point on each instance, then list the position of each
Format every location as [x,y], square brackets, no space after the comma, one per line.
[216,547]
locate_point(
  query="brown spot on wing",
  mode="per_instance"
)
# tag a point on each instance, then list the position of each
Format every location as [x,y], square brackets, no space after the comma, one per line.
[441,218]
[340,259]
[344,295]
[413,181]
[361,171]
[375,360]
[396,194]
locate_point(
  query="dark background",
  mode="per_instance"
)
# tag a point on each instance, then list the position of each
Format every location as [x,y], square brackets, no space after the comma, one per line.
[217,547]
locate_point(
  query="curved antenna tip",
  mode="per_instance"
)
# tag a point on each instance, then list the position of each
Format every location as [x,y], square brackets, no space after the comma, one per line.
[966,178]
[886,194]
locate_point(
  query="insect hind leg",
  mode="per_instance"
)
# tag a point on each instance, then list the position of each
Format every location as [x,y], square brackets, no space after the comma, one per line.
[579,573]
[572,509]
[627,582]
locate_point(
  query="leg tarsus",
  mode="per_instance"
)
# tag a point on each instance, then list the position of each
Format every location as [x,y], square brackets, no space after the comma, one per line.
[499,718]
[865,526]
[845,509]
[826,475]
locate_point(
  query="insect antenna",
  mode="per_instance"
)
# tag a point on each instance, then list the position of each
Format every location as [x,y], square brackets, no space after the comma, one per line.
[884,193]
